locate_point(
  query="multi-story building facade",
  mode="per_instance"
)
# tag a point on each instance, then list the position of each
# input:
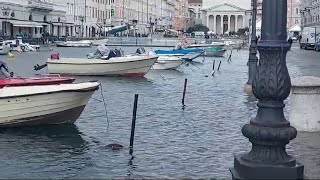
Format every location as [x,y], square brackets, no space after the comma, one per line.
[196,6]
[310,13]
[145,16]
[181,16]
[293,14]
[32,18]
[227,16]
[86,18]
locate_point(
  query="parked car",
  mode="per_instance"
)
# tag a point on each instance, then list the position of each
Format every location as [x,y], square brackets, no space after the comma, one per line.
[317,46]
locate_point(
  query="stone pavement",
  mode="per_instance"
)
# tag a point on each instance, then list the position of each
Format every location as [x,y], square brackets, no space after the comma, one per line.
[306,61]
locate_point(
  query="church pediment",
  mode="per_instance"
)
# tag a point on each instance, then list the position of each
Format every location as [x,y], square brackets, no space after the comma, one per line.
[224,7]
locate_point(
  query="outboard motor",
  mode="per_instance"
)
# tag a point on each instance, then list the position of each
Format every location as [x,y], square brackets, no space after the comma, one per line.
[141,51]
[112,54]
[118,53]
[55,56]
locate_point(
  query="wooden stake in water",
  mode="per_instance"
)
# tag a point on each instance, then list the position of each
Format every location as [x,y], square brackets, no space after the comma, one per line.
[219,66]
[184,91]
[133,125]
[212,73]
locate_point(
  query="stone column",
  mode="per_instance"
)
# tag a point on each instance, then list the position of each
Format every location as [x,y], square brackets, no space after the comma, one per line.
[236,23]
[222,24]
[215,23]
[243,22]
[229,23]
[208,20]
[304,101]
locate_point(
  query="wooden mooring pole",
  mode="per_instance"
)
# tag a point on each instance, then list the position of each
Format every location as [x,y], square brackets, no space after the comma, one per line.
[184,91]
[133,125]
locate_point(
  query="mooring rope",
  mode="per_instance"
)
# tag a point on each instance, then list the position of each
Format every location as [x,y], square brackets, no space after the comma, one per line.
[105,107]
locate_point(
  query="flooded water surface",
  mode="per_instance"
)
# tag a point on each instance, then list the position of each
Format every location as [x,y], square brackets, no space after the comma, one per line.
[197,142]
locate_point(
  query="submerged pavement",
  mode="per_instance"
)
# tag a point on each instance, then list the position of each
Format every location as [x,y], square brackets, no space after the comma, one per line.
[198,142]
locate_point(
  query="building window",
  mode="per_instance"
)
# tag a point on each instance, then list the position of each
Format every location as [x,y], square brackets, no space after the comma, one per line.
[297,10]
[30,17]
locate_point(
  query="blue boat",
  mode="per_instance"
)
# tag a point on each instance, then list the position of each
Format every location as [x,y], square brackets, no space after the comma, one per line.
[184,54]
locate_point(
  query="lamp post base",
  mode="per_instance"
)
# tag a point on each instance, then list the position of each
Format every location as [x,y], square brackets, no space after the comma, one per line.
[249,170]
[248,88]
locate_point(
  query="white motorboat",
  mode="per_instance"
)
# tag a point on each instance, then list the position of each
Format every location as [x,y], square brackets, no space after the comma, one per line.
[213,44]
[28,47]
[136,66]
[84,43]
[167,62]
[45,104]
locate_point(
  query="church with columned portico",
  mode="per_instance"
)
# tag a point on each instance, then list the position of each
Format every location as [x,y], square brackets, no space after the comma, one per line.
[227,16]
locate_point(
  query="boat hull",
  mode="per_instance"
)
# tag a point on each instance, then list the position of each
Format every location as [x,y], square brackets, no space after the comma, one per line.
[74,44]
[135,66]
[191,56]
[61,107]
[166,63]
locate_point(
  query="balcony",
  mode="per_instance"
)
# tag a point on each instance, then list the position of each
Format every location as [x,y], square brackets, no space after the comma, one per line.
[40,5]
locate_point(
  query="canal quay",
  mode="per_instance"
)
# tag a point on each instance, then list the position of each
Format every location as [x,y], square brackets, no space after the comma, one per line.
[199,141]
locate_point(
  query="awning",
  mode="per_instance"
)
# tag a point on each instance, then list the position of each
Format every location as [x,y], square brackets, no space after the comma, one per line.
[17,23]
[295,28]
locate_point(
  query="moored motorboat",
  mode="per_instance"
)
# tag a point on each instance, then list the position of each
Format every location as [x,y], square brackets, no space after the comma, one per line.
[136,66]
[213,44]
[84,43]
[167,62]
[184,54]
[7,78]
[36,80]
[43,105]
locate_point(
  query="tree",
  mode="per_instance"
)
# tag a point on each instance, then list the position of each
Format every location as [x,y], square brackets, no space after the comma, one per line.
[198,27]
[243,31]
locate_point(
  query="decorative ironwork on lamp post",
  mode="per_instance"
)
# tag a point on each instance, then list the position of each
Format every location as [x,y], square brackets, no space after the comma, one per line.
[253,59]
[269,132]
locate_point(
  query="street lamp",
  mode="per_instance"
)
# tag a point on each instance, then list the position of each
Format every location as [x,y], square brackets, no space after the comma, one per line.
[104,27]
[6,13]
[81,20]
[150,25]
[269,132]
[253,59]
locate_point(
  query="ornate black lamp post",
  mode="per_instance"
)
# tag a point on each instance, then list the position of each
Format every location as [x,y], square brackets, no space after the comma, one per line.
[253,59]
[269,132]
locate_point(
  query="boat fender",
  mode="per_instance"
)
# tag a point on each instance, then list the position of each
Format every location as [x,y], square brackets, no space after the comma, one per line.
[10,55]
[55,56]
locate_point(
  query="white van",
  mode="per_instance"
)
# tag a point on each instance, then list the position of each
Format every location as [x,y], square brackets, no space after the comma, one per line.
[309,37]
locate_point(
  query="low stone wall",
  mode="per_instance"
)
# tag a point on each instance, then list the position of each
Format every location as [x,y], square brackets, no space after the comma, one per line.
[305,104]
